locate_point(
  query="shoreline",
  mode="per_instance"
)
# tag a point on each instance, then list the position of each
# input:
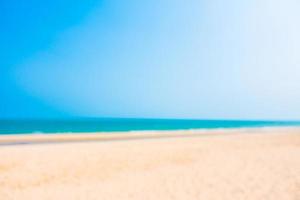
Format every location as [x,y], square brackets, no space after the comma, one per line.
[46,138]
[235,164]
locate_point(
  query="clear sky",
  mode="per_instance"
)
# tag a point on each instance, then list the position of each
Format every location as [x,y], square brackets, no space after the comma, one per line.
[206,59]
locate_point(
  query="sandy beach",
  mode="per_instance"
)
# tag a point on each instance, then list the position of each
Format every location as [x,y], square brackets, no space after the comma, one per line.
[234,164]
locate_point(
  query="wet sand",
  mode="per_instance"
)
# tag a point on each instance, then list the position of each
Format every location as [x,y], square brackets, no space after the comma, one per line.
[234,164]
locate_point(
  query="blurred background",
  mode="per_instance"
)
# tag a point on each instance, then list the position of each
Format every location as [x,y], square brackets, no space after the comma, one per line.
[196,59]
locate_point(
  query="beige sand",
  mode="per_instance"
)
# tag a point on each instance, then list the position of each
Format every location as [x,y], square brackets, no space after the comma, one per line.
[264,164]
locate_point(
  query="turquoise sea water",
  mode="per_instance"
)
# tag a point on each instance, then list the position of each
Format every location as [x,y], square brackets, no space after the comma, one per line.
[112,124]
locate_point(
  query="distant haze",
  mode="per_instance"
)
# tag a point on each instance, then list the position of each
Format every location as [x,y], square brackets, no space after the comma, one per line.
[205,59]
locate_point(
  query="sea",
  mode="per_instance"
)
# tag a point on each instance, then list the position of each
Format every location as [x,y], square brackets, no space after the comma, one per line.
[88,125]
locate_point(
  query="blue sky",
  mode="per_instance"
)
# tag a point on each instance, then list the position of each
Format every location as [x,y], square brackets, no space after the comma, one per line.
[156,59]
